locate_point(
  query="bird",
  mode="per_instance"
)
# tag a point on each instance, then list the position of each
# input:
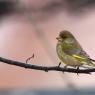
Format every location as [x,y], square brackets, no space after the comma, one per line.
[70,52]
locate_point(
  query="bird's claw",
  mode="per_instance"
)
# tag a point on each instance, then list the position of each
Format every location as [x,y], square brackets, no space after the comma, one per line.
[59,64]
[78,70]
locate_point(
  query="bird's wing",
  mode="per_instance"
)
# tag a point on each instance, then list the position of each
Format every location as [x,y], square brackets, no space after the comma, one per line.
[78,54]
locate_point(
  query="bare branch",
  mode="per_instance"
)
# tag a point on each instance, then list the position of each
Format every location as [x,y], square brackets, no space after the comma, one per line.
[45,68]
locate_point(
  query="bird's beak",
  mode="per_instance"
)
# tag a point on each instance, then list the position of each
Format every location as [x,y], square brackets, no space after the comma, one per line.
[58,38]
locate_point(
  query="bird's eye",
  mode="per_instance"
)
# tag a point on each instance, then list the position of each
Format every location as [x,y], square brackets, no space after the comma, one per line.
[64,37]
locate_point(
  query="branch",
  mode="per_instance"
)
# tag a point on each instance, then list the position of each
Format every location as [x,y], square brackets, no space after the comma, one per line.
[45,68]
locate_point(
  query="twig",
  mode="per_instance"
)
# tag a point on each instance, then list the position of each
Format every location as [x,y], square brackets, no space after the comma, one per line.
[29,58]
[45,68]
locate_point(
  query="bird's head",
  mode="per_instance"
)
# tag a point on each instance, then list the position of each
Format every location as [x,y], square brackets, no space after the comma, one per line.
[64,35]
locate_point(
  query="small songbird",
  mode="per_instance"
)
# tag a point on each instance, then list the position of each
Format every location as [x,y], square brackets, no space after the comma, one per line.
[70,51]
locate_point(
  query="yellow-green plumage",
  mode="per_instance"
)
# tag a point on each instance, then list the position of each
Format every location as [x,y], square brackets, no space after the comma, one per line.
[69,50]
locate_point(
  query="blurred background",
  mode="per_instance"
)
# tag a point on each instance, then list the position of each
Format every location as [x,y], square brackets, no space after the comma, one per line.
[31,26]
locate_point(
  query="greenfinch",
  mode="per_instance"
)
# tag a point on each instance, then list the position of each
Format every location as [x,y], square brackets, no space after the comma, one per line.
[70,51]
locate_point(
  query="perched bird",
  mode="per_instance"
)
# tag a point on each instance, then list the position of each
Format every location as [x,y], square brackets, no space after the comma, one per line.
[70,51]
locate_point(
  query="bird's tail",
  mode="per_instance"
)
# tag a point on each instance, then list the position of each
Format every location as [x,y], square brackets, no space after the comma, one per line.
[92,62]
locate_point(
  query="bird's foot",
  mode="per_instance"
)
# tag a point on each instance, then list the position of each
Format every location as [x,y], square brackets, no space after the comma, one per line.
[65,67]
[78,70]
[59,64]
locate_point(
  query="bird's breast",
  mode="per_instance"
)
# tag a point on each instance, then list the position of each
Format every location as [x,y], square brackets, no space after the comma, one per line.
[65,57]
